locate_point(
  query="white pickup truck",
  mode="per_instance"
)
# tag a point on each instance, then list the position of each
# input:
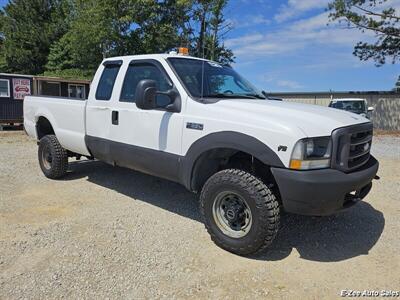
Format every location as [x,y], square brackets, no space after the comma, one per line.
[199,123]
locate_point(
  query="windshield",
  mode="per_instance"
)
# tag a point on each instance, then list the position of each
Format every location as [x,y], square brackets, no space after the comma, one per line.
[217,81]
[356,106]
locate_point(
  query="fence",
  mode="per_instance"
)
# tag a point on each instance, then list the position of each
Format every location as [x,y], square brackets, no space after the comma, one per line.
[386,114]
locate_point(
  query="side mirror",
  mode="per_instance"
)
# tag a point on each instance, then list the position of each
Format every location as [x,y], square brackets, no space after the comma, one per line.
[371,109]
[146,93]
[265,94]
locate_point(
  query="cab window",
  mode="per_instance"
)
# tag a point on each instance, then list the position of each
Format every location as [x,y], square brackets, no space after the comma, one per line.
[140,71]
[107,81]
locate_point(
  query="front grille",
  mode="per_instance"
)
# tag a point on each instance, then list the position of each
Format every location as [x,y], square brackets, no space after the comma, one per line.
[351,146]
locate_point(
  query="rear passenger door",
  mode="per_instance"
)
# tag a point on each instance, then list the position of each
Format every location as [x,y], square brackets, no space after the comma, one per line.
[99,111]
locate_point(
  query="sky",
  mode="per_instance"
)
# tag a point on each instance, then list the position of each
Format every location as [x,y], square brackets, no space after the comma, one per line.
[286,46]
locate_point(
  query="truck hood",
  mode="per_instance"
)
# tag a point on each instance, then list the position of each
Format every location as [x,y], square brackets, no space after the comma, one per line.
[313,120]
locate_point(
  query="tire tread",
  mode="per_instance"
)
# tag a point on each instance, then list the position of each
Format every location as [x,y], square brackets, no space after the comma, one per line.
[60,158]
[266,203]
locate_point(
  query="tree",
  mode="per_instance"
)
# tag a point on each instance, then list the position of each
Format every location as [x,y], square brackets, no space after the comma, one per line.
[104,28]
[160,24]
[208,41]
[28,28]
[2,58]
[374,16]
[217,24]
[69,38]
[96,31]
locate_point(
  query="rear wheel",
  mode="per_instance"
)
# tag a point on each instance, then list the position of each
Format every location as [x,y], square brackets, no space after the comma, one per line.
[240,212]
[53,158]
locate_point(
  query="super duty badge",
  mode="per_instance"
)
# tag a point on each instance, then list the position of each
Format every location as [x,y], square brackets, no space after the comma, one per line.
[195,126]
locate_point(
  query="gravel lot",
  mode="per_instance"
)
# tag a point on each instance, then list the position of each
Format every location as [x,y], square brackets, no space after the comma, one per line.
[107,232]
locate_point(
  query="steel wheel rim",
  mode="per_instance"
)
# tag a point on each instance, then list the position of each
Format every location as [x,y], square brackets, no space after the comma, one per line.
[232,214]
[47,158]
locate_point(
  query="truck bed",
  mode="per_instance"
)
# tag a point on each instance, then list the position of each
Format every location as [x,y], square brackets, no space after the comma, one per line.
[66,115]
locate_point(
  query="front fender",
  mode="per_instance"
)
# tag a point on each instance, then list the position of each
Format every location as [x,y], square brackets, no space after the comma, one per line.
[230,140]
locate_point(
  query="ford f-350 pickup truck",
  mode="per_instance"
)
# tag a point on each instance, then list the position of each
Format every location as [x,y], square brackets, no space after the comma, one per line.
[199,123]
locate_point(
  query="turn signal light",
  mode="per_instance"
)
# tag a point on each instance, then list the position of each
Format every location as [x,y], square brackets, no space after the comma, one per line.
[295,164]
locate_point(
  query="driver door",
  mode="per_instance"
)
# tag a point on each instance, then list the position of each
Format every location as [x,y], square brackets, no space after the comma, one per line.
[146,140]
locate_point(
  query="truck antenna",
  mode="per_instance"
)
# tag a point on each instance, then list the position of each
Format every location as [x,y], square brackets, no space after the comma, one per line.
[202,65]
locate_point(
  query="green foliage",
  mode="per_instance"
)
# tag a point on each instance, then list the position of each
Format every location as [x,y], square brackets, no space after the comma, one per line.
[160,24]
[71,74]
[2,57]
[90,37]
[28,28]
[208,41]
[368,15]
[69,38]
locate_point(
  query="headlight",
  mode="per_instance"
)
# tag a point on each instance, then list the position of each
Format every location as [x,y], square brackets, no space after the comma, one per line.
[312,153]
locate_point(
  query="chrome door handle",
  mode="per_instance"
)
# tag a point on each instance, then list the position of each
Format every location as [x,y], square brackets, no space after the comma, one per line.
[100,107]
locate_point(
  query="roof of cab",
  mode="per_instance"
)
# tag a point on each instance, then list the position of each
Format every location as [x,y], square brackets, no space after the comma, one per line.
[152,56]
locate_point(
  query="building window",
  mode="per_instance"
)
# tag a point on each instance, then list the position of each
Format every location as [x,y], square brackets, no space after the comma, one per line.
[5,88]
[48,88]
[76,91]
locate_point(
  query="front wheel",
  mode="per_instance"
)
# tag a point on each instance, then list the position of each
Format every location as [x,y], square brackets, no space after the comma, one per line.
[240,212]
[53,158]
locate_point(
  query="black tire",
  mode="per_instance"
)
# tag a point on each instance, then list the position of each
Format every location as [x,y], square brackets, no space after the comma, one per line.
[259,199]
[53,158]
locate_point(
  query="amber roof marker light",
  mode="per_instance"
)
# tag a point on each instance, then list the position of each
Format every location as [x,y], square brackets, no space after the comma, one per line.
[183,51]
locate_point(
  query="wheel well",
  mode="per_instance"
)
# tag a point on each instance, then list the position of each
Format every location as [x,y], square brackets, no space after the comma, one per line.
[215,160]
[43,127]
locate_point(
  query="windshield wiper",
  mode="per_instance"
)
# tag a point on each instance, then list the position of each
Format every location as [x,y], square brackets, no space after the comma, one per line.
[256,96]
[230,96]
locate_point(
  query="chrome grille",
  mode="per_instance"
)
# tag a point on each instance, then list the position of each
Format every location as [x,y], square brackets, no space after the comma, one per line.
[351,146]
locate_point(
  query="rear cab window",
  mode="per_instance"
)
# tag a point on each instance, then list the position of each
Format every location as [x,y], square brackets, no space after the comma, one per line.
[107,80]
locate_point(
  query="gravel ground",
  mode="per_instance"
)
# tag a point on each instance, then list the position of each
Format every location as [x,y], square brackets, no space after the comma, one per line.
[107,232]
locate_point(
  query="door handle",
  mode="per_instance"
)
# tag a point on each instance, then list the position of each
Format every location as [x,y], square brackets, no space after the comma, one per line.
[114,117]
[100,107]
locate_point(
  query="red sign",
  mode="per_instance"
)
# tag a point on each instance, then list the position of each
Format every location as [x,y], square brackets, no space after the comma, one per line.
[21,88]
